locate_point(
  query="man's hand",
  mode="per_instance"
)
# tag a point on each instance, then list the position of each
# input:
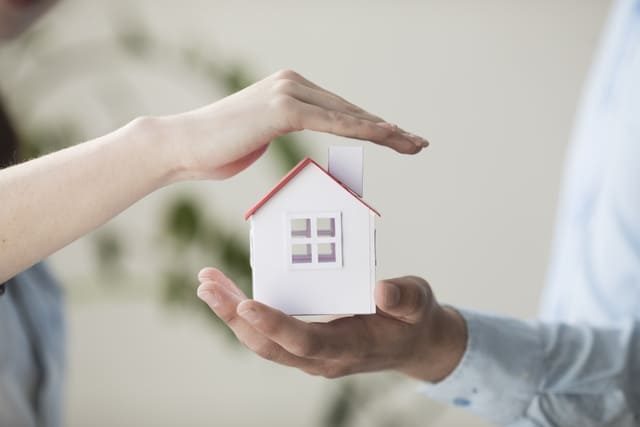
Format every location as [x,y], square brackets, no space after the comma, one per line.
[411,333]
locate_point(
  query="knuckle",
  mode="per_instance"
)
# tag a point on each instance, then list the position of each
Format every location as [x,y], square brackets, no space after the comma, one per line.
[417,299]
[284,86]
[334,371]
[306,347]
[338,119]
[226,312]
[286,73]
[354,109]
[374,131]
[228,316]
[271,326]
[423,288]
[384,132]
[266,350]
[283,103]
[342,119]
[332,116]
[286,111]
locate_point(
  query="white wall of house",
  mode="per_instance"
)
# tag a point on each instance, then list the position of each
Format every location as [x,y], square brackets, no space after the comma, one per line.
[342,290]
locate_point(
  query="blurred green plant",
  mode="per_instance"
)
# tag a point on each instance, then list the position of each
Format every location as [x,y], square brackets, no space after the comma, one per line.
[187,225]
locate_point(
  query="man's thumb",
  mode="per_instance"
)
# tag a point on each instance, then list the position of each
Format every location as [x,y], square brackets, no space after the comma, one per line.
[406,298]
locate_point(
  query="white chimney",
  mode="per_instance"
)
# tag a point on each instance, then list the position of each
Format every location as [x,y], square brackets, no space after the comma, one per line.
[346,165]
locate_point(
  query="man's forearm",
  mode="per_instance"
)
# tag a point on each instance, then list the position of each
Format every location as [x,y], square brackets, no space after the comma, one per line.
[535,374]
[49,202]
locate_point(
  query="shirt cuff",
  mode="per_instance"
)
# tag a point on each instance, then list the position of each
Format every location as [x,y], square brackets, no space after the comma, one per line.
[499,373]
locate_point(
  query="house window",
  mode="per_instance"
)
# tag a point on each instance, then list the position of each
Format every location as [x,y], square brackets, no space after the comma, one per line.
[301,227]
[326,252]
[315,240]
[326,227]
[301,253]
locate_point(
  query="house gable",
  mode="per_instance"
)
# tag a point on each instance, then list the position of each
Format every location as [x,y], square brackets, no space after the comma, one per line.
[307,162]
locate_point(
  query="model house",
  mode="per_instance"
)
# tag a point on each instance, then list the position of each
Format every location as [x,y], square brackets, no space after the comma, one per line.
[313,239]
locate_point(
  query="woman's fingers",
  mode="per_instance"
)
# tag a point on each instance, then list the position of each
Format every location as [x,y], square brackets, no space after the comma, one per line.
[324,99]
[296,77]
[335,115]
[312,117]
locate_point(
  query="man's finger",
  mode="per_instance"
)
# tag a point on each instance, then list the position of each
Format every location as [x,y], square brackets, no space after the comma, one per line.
[405,298]
[210,274]
[308,340]
[224,303]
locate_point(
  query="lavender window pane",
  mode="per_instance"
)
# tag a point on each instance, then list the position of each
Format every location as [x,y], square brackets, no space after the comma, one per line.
[327,252]
[301,227]
[326,227]
[301,254]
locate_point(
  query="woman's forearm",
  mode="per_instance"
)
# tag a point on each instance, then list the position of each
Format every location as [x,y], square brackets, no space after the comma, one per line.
[49,202]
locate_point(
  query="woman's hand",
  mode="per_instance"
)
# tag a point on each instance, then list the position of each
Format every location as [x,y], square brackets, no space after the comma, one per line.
[81,187]
[411,333]
[221,139]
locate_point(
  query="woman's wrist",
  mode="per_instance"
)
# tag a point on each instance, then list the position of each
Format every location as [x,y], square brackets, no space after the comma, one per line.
[154,141]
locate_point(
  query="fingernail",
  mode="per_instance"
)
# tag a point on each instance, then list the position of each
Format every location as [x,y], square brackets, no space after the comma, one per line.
[249,314]
[202,274]
[401,143]
[423,143]
[391,295]
[418,140]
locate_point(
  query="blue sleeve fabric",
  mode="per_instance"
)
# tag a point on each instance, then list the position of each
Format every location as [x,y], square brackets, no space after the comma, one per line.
[518,373]
[32,350]
[594,273]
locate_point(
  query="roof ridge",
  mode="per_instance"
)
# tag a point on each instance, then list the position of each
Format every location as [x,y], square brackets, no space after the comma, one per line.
[290,175]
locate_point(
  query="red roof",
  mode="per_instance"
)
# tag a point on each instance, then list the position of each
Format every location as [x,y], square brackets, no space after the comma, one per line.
[289,176]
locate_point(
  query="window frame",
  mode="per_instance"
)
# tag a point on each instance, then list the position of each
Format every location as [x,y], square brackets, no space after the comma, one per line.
[314,240]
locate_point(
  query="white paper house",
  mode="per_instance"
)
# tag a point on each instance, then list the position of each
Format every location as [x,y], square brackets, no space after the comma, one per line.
[313,240]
